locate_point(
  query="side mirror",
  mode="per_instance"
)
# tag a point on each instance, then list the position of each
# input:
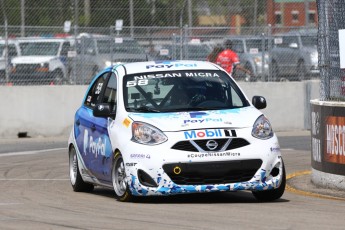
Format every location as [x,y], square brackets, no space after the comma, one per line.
[259,102]
[102,110]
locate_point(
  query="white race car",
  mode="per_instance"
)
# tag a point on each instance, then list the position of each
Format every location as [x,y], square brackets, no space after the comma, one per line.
[173,127]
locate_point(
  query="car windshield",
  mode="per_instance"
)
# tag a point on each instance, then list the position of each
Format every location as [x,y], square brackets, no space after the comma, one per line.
[189,52]
[309,41]
[181,91]
[238,46]
[41,48]
[119,46]
[255,45]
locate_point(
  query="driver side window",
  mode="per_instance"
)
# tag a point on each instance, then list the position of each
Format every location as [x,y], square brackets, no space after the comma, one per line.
[110,93]
[94,95]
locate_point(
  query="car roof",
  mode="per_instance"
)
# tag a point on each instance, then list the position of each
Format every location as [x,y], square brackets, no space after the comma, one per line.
[155,66]
[244,37]
[102,37]
[44,40]
[302,32]
[10,41]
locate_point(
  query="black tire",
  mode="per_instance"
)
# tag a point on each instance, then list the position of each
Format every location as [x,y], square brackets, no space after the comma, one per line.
[272,194]
[58,78]
[77,182]
[118,175]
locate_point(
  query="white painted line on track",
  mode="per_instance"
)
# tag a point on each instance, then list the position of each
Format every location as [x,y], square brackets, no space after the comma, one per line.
[31,152]
[287,149]
[29,179]
[3,204]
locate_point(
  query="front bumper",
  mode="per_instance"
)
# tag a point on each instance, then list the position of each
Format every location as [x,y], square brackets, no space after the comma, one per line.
[154,170]
[32,77]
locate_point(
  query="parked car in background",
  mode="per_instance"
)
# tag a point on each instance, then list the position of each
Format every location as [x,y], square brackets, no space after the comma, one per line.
[42,60]
[95,52]
[295,55]
[13,51]
[190,51]
[253,54]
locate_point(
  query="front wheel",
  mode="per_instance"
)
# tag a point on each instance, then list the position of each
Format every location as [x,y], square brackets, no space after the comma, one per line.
[272,194]
[120,185]
[77,182]
[58,78]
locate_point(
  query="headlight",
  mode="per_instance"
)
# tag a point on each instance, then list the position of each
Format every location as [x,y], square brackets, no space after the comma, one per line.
[262,128]
[146,134]
[44,67]
[314,57]
[108,63]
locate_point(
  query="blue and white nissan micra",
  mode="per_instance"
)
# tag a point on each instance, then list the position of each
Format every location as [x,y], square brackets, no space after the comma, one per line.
[173,127]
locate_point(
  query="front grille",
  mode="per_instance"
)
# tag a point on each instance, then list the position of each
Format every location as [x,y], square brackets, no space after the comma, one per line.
[27,68]
[212,172]
[188,145]
[202,144]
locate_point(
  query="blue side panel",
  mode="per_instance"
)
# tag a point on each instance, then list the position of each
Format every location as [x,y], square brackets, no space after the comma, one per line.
[93,142]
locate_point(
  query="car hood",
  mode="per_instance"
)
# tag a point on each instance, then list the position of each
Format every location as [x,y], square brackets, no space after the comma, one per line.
[32,59]
[176,121]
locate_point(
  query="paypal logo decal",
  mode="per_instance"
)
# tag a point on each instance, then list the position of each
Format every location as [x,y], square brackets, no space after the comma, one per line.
[197,114]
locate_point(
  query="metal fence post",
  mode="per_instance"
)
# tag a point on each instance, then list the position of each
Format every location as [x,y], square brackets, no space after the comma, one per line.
[263,52]
[269,50]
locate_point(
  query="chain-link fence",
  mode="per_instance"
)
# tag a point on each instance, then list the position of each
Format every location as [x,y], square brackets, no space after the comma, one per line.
[69,41]
[331,18]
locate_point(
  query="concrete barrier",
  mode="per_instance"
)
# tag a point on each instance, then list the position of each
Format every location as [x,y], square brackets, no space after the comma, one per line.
[328,144]
[49,110]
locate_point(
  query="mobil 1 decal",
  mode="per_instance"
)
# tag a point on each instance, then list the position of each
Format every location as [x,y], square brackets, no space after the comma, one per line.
[209,133]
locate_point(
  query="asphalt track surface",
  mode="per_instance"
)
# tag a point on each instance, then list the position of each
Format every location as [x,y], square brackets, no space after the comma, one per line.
[35,193]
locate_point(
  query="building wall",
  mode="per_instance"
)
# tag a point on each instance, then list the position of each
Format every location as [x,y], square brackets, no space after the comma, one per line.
[287,8]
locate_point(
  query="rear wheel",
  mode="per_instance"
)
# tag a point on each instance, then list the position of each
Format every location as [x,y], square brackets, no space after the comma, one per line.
[77,182]
[120,184]
[272,194]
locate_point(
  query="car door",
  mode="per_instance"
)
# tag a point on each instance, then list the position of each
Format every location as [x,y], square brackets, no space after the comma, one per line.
[91,133]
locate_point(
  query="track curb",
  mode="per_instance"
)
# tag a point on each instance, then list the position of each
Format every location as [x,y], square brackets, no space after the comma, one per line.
[306,193]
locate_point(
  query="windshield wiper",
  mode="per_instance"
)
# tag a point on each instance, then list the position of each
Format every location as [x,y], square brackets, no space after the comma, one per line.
[143,109]
[186,109]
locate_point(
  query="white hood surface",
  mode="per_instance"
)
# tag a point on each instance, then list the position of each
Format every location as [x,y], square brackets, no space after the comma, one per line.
[32,59]
[176,121]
